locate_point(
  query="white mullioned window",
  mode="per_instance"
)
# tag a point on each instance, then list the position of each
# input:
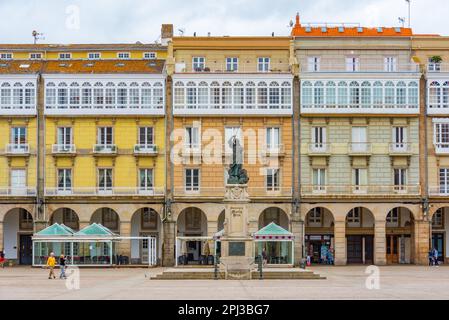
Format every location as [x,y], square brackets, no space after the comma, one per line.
[390,64]
[400,178]
[35,56]
[315,216]
[444,180]
[63,97]
[263,64]
[64,180]
[360,179]
[192,179]
[50,95]
[352,64]
[198,63]
[94,56]
[145,92]
[238,95]
[105,179]
[319,139]
[273,138]
[354,216]
[313,64]
[65,56]
[124,55]
[274,100]
[146,177]
[150,55]
[272,179]
[319,179]
[441,135]
[232,64]
[6,56]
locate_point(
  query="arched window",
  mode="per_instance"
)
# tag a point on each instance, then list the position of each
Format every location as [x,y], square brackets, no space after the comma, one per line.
[74,95]
[238,95]
[191,95]
[50,95]
[413,95]
[179,94]
[354,94]
[342,94]
[318,94]
[98,95]
[122,95]
[30,95]
[109,95]
[389,94]
[17,95]
[378,95]
[86,99]
[306,94]
[274,95]
[331,94]
[366,94]
[203,95]
[215,95]
[134,95]
[250,95]
[401,94]
[63,95]
[262,95]
[227,95]
[158,95]
[146,95]
[434,94]
[286,95]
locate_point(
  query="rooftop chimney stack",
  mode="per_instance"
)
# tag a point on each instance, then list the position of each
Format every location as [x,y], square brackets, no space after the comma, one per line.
[166,33]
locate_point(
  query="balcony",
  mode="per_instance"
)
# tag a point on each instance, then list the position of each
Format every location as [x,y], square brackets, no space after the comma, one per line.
[18,192]
[149,150]
[437,67]
[219,192]
[63,149]
[105,149]
[103,192]
[352,190]
[20,150]
[274,150]
[319,149]
[400,149]
[360,149]
[441,148]
[251,67]
[336,66]
[439,191]
[191,150]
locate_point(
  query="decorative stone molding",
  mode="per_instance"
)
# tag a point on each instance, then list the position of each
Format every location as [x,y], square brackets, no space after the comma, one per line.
[236,192]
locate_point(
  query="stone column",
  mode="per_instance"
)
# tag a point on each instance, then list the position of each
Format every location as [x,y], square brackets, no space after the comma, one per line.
[168,244]
[297,230]
[340,243]
[422,242]
[1,235]
[125,245]
[380,257]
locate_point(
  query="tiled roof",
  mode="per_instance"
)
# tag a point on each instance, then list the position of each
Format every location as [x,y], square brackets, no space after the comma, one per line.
[324,31]
[81,47]
[104,66]
[20,67]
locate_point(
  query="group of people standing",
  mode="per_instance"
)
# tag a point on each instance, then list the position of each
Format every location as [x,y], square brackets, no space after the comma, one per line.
[51,264]
[326,254]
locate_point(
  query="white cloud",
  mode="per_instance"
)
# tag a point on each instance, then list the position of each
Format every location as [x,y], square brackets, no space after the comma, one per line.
[140,20]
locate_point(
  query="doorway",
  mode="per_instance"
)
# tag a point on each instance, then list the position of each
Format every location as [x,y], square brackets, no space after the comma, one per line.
[360,249]
[392,249]
[438,243]
[26,249]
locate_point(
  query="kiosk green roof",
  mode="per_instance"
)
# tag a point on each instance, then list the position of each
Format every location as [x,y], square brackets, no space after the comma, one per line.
[56,230]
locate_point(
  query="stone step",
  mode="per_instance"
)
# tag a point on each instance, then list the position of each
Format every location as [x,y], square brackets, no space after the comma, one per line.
[209,275]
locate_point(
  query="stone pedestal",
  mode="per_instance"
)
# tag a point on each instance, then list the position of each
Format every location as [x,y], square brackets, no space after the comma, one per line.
[236,241]
[168,245]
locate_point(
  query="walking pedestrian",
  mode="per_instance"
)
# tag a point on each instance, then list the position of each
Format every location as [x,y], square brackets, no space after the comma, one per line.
[51,263]
[430,256]
[62,265]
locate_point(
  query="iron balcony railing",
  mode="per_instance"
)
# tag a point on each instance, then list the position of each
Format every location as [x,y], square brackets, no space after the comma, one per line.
[145,149]
[360,148]
[319,148]
[63,149]
[105,149]
[220,192]
[372,190]
[212,67]
[19,149]
[442,148]
[437,67]
[19,191]
[400,148]
[106,191]
[336,66]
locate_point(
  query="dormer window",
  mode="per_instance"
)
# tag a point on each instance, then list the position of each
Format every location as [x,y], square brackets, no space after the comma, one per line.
[35,56]
[6,56]
[65,56]
[94,56]
[123,55]
[150,55]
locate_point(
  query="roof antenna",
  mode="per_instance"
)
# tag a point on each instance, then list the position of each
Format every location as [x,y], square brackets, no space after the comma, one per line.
[402,21]
[409,2]
[37,36]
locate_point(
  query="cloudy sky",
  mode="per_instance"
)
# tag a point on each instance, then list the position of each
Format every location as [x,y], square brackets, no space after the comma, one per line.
[97,21]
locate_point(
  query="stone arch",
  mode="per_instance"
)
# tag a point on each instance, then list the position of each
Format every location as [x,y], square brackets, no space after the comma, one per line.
[276,215]
[221,221]
[400,235]
[18,225]
[108,217]
[66,216]
[145,221]
[319,229]
[359,231]
[192,221]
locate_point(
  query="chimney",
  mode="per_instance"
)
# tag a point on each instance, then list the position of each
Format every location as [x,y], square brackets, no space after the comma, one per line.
[298,22]
[166,33]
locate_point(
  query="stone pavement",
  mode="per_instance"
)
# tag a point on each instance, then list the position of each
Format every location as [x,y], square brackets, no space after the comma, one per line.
[396,282]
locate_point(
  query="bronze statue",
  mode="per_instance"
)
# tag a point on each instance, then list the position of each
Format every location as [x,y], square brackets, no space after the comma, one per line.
[237,175]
